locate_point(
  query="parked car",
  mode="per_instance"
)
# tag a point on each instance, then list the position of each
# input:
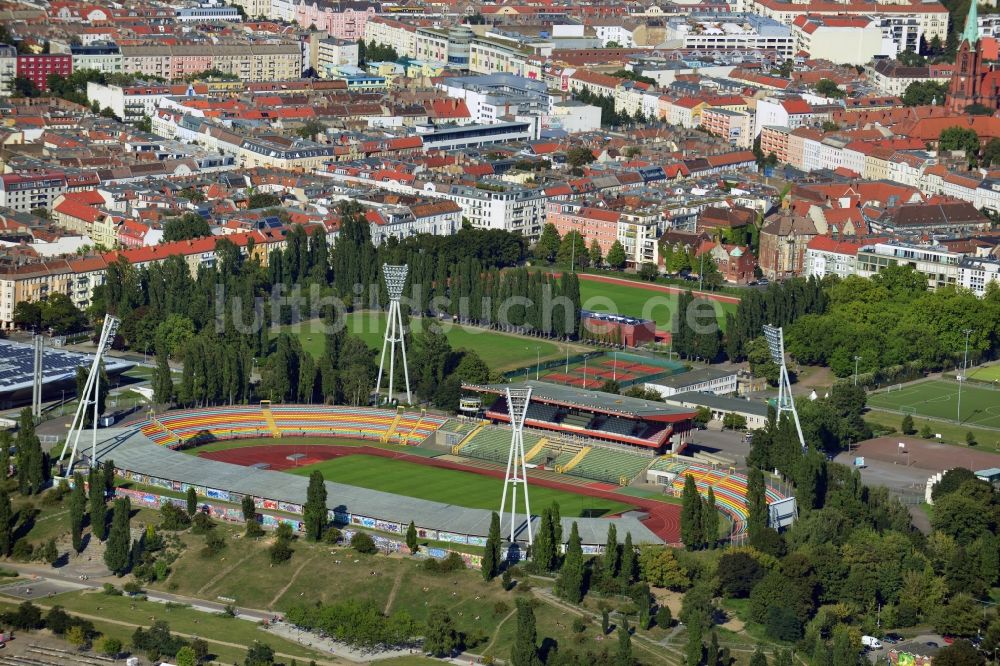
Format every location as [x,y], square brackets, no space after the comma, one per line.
[892,638]
[932,644]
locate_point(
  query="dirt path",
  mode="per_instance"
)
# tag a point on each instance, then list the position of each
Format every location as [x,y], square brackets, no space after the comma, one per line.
[496,633]
[219,576]
[393,591]
[291,580]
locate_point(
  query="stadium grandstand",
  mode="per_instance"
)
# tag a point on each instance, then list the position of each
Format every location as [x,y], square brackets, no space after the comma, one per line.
[730,488]
[197,426]
[58,371]
[604,417]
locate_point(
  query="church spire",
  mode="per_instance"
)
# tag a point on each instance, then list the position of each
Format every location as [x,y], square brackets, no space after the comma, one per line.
[971,33]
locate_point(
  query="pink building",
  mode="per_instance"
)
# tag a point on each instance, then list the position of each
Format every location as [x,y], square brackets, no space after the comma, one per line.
[592,223]
[185,65]
[348,23]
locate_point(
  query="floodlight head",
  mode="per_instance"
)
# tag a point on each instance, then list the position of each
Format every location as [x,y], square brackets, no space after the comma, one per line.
[112,323]
[517,404]
[775,343]
[395,278]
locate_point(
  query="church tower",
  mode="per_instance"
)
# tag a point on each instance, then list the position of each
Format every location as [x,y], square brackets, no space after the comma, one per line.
[966,82]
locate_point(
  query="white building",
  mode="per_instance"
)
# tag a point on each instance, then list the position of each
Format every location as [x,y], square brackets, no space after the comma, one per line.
[26,192]
[702,380]
[494,96]
[614,32]
[8,69]
[130,103]
[573,116]
[332,53]
[904,31]
[939,264]
[976,273]
[497,205]
[730,32]
[846,40]
[828,256]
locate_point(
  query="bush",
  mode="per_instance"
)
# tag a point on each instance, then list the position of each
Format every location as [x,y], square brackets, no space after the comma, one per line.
[363,543]
[215,543]
[926,432]
[109,646]
[284,532]
[111,590]
[332,536]
[579,625]
[173,518]
[132,588]
[254,529]
[664,618]
[453,562]
[23,550]
[280,552]
[202,523]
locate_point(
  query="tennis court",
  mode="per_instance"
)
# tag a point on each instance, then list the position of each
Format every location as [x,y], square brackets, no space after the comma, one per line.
[938,398]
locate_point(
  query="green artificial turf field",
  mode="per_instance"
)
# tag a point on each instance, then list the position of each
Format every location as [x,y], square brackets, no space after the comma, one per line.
[939,399]
[637,301]
[989,373]
[500,351]
[467,489]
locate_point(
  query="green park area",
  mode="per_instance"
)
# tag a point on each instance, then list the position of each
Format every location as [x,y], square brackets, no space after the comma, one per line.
[939,399]
[500,351]
[449,486]
[639,300]
[988,373]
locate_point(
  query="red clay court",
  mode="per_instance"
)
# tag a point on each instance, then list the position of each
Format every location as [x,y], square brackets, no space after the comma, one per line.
[925,454]
[662,519]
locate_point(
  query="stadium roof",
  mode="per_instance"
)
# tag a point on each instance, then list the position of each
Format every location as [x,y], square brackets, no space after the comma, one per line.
[131,450]
[721,402]
[17,361]
[597,401]
[692,377]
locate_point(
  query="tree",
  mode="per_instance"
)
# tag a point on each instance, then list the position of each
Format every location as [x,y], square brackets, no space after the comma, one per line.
[616,256]
[363,543]
[440,637]
[6,522]
[710,520]
[191,499]
[648,272]
[186,657]
[628,567]
[906,427]
[49,553]
[248,509]
[991,153]
[691,522]
[578,157]
[163,381]
[659,567]
[259,654]
[547,245]
[77,637]
[664,618]
[959,653]
[525,651]
[314,511]
[595,254]
[570,584]
[959,138]
[28,315]
[738,573]
[411,538]
[77,508]
[758,658]
[189,225]
[920,93]
[116,554]
[828,88]
[25,87]
[756,506]
[263,200]
[573,250]
[112,647]
[491,554]
[623,654]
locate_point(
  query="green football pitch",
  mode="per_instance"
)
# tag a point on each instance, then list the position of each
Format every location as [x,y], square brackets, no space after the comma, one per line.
[638,301]
[475,491]
[939,399]
[500,351]
[989,373]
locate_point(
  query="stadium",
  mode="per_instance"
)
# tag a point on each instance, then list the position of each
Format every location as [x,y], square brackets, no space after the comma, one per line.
[385,468]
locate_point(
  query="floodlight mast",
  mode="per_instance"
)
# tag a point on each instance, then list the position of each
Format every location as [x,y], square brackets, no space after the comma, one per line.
[775,338]
[90,395]
[517,473]
[395,279]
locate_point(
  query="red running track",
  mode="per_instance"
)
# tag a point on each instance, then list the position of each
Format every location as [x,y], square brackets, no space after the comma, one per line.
[662,519]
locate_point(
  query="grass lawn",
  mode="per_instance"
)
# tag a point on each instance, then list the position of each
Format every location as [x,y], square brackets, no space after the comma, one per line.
[951,433]
[446,485]
[500,351]
[939,399]
[989,373]
[639,301]
[182,620]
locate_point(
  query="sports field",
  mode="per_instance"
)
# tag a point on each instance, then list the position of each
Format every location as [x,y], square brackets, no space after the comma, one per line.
[638,300]
[500,351]
[989,373]
[446,485]
[939,399]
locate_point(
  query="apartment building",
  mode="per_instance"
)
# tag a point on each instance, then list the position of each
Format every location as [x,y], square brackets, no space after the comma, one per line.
[100,56]
[977,273]
[936,262]
[851,40]
[8,69]
[494,96]
[931,16]
[332,53]
[37,67]
[730,32]
[735,126]
[387,32]
[25,192]
[249,62]
[892,78]
[497,205]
